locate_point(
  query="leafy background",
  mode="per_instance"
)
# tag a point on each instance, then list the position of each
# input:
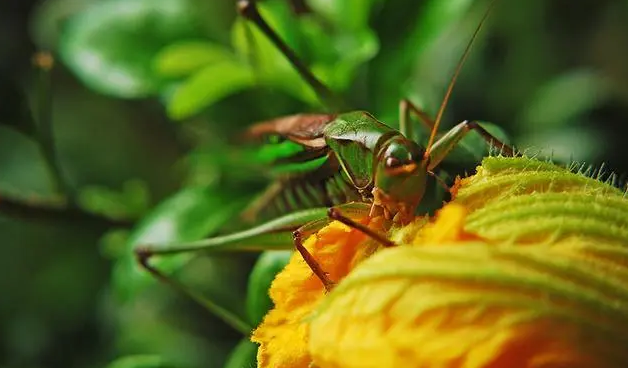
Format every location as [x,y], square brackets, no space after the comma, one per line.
[146,97]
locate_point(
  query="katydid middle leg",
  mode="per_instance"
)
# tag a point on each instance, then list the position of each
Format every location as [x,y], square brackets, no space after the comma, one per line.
[405,108]
[447,142]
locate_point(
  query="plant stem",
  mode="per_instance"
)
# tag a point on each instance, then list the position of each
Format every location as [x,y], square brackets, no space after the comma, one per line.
[44,132]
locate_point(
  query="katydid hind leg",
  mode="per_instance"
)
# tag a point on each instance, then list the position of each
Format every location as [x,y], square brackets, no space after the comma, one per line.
[447,142]
[406,107]
[143,256]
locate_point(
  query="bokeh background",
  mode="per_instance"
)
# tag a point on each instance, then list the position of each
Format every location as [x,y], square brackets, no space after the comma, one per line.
[146,96]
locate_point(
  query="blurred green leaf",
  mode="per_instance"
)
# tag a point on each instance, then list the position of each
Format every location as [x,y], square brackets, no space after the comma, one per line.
[570,143]
[15,112]
[562,99]
[112,244]
[140,361]
[244,355]
[183,58]
[48,18]
[351,14]
[338,67]
[258,302]
[270,66]
[190,214]
[401,62]
[32,185]
[131,202]
[111,44]
[209,85]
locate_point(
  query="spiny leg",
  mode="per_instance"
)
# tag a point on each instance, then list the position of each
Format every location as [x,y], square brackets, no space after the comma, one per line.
[297,237]
[405,108]
[447,142]
[143,255]
[333,213]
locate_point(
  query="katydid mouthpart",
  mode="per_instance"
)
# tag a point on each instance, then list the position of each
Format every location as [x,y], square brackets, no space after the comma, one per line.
[362,168]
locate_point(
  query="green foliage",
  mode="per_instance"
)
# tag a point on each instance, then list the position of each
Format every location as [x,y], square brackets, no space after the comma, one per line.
[243,355]
[140,361]
[185,57]
[212,83]
[15,113]
[566,97]
[131,202]
[111,44]
[146,65]
[190,214]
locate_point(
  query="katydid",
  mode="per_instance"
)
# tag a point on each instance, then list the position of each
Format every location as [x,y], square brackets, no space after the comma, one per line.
[382,164]
[357,158]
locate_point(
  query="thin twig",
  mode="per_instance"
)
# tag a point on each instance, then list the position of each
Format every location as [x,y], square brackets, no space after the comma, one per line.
[44,134]
[33,211]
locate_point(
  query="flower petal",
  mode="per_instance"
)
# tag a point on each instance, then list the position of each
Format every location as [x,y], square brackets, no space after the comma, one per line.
[475,306]
[296,292]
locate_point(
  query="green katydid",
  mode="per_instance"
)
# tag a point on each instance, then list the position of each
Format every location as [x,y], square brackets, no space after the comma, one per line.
[385,167]
[361,157]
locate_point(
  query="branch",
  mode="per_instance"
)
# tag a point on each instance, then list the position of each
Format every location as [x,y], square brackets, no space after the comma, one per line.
[44,133]
[34,211]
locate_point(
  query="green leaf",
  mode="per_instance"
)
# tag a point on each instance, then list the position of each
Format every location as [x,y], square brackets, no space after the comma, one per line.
[183,58]
[140,361]
[332,62]
[15,112]
[270,66]
[244,355]
[566,144]
[564,98]
[111,44]
[191,214]
[417,56]
[112,243]
[350,14]
[258,302]
[132,201]
[209,85]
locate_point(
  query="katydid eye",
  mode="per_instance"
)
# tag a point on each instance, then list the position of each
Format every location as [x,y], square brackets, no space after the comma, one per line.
[416,154]
[393,162]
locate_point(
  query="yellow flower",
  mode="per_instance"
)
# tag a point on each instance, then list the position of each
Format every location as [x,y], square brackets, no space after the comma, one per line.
[474,306]
[283,335]
[526,267]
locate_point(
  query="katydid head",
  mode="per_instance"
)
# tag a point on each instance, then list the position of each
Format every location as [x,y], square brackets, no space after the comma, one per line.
[400,175]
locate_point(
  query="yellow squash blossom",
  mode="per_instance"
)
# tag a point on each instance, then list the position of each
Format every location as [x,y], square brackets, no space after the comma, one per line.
[526,267]
[296,291]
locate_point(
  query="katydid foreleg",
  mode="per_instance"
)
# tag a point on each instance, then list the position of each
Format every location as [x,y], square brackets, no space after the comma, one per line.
[343,214]
[447,142]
